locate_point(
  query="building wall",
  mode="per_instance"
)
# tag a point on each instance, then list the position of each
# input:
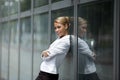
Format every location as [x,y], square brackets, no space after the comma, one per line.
[26,28]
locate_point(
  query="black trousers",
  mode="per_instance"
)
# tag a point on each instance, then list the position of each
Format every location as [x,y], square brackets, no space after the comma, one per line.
[92,76]
[47,76]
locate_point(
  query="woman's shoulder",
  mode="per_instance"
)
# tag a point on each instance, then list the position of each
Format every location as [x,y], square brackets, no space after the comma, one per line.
[66,37]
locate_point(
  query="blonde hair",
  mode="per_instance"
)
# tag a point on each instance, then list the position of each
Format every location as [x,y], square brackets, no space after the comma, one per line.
[63,20]
[81,21]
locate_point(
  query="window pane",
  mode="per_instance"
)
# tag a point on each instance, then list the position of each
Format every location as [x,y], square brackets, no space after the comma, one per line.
[25,5]
[13,6]
[4,5]
[38,3]
[25,49]
[99,35]
[67,66]
[14,40]
[41,39]
[5,43]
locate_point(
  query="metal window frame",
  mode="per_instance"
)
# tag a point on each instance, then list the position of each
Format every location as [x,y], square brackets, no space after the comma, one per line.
[75,46]
[0,50]
[116,61]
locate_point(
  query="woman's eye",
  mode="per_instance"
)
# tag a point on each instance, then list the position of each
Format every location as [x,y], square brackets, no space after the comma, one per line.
[58,26]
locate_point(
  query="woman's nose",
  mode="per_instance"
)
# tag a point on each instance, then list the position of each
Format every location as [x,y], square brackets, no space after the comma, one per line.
[85,30]
[56,30]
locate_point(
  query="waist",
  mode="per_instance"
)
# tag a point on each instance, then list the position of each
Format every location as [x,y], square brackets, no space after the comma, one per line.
[48,73]
[49,68]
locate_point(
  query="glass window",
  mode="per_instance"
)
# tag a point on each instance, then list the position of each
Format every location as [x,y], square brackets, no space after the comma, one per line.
[8,7]
[14,41]
[41,39]
[99,35]
[67,66]
[38,3]
[4,5]
[1,8]
[25,49]
[25,5]
[4,48]
[13,6]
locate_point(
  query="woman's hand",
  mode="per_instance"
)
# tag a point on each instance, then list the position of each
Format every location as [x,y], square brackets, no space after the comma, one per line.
[45,54]
[94,55]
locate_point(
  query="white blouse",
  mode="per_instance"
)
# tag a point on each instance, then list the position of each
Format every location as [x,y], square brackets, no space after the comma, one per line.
[85,58]
[57,52]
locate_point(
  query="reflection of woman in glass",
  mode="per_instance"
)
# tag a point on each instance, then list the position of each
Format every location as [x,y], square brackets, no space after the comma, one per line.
[54,55]
[87,69]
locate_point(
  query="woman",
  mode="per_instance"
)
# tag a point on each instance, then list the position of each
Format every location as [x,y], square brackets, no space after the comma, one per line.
[87,68]
[54,55]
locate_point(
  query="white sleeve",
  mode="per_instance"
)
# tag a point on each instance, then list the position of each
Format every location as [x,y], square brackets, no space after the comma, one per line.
[83,48]
[60,48]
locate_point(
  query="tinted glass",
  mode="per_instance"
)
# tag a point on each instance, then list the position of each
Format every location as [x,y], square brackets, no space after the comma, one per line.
[41,39]
[25,5]
[5,49]
[13,6]
[4,11]
[14,41]
[99,37]
[25,49]
[38,3]
[8,7]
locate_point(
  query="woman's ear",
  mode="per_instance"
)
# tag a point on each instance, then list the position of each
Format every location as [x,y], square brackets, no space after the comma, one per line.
[66,26]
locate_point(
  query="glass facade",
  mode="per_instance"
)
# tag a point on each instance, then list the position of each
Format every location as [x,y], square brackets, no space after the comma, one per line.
[13,7]
[100,18]
[8,7]
[4,51]
[25,49]
[25,5]
[41,40]
[38,3]
[4,5]
[26,29]
[13,53]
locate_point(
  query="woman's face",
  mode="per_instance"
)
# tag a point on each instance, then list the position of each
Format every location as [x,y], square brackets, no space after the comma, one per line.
[60,29]
[83,30]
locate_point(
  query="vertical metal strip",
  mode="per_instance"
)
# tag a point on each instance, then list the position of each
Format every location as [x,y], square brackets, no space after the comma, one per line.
[32,30]
[75,51]
[116,58]
[9,33]
[19,40]
[49,22]
[0,49]
[8,26]
[0,53]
